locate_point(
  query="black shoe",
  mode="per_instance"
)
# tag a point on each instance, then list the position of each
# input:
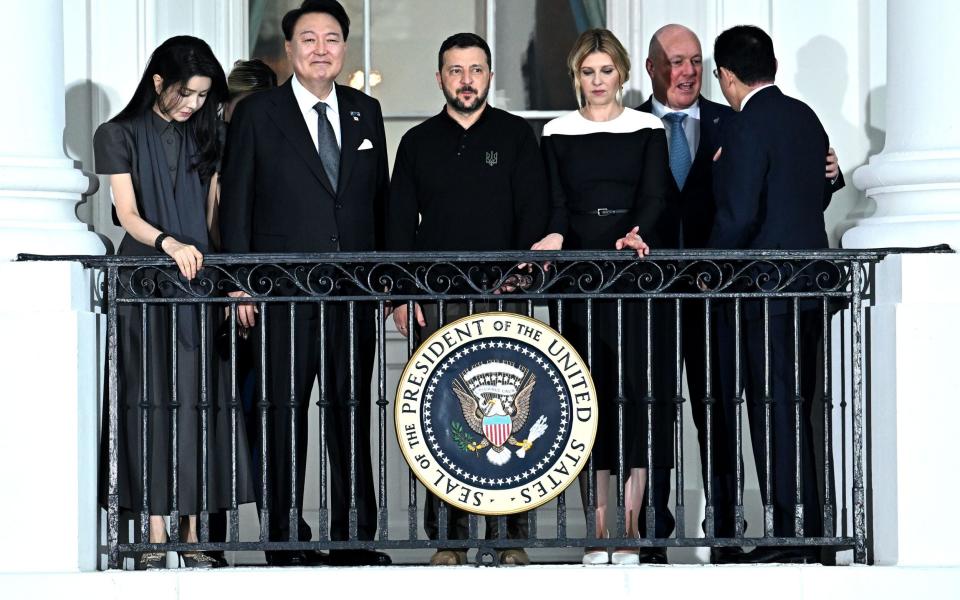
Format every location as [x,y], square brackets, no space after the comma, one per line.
[296,558]
[359,558]
[726,555]
[149,561]
[781,554]
[219,559]
[198,560]
[653,556]
[314,558]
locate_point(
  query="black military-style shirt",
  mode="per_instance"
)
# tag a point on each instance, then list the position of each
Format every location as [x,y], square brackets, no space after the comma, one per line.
[477,189]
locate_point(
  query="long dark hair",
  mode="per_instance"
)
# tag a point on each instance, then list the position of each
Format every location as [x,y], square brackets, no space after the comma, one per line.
[176,61]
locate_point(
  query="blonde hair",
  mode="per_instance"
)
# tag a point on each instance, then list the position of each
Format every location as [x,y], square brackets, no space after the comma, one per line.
[598,40]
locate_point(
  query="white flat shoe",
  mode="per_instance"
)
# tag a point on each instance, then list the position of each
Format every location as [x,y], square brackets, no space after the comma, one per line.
[596,557]
[625,557]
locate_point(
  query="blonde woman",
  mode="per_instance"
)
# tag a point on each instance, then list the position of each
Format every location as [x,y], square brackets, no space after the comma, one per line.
[607,169]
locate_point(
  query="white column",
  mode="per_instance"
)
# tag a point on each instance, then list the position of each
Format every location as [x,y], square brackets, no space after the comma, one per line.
[914,410]
[48,433]
[39,186]
[913,326]
[48,338]
[915,181]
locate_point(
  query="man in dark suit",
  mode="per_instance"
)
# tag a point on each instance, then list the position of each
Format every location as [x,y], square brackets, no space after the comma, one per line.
[693,123]
[305,170]
[675,66]
[770,193]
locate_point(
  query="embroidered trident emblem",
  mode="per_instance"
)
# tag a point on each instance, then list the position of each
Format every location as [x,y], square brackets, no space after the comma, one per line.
[491,158]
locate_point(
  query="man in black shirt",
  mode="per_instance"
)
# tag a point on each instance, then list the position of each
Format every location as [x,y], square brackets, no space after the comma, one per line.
[470,178]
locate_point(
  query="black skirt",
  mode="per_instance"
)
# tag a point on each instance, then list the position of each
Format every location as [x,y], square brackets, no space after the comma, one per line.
[161,406]
[603,370]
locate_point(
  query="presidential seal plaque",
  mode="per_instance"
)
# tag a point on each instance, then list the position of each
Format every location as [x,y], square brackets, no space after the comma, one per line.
[496,413]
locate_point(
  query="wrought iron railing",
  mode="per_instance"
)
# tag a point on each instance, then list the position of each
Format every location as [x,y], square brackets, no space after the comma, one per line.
[733,286]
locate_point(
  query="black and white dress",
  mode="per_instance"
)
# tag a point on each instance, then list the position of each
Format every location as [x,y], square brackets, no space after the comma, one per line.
[605,178]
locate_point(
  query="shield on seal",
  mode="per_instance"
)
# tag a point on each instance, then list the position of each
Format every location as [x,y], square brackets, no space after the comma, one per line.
[497,428]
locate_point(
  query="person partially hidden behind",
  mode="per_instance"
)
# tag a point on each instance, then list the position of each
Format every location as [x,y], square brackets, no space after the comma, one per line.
[246,77]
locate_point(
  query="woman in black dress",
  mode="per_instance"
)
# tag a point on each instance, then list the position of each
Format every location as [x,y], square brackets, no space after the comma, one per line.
[161,155]
[607,170]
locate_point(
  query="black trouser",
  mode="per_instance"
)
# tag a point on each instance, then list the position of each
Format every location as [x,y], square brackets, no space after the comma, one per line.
[694,356]
[778,349]
[458,520]
[334,374]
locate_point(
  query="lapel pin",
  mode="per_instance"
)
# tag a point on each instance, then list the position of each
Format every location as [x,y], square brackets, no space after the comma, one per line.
[355,115]
[716,120]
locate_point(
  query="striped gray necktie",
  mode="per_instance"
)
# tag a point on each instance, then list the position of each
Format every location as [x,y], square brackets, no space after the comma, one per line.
[327,144]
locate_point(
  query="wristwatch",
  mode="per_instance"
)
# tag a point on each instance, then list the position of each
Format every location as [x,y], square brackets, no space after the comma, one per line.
[158,243]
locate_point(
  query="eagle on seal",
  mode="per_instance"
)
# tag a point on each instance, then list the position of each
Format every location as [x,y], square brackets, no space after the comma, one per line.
[495,401]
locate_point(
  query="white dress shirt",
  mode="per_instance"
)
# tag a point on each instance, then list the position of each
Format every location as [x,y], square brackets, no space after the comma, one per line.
[752,93]
[306,102]
[691,125]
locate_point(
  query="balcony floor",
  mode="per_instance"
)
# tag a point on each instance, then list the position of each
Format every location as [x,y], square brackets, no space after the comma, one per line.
[538,581]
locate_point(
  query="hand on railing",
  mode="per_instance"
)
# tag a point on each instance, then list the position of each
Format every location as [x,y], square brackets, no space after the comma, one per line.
[551,241]
[516,281]
[400,317]
[633,241]
[246,311]
[187,257]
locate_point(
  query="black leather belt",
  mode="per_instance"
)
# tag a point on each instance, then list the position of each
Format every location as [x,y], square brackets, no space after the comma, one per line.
[602,212]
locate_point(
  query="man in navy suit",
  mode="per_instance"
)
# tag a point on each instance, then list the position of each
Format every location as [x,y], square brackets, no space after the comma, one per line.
[675,66]
[305,170]
[770,193]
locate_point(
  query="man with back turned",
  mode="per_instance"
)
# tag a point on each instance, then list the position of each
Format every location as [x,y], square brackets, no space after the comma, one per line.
[770,193]
[693,124]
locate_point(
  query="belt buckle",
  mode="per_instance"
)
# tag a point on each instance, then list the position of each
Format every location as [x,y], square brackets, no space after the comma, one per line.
[603,212]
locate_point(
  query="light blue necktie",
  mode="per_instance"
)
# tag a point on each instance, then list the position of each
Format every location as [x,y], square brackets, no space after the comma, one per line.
[680,160]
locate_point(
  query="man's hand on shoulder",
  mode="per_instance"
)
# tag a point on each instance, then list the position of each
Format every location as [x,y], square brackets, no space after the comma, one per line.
[833,165]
